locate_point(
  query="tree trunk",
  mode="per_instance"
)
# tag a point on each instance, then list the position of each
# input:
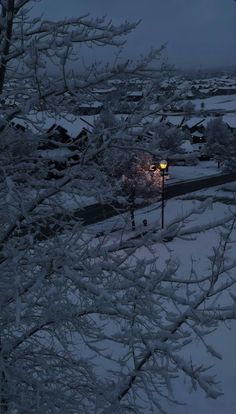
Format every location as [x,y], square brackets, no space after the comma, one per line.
[7,12]
[3,385]
[132,208]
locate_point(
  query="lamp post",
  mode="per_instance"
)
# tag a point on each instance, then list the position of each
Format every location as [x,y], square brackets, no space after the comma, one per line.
[163,164]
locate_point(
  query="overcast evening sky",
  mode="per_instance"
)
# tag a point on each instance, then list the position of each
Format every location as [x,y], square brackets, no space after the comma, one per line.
[199,33]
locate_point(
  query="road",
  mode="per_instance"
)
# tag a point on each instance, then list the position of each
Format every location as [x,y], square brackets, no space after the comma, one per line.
[199,113]
[96,212]
[189,186]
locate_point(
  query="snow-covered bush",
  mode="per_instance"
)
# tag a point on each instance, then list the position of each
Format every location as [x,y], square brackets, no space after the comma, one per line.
[188,107]
[169,139]
[220,142]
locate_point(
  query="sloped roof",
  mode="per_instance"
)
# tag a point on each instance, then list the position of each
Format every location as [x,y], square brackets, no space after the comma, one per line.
[190,123]
[197,134]
[42,122]
[175,120]
[230,120]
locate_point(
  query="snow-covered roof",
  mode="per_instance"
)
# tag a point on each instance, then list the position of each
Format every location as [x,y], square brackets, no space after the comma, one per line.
[155,107]
[104,90]
[230,86]
[152,119]
[93,104]
[206,120]
[175,120]
[57,154]
[204,90]
[41,122]
[135,93]
[190,123]
[137,130]
[121,117]
[230,120]
[165,84]
[197,134]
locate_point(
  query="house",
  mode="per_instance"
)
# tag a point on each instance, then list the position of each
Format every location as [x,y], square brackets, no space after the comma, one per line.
[134,96]
[187,159]
[194,150]
[81,141]
[59,150]
[58,160]
[198,142]
[174,120]
[193,124]
[196,128]
[18,126]
[56,135]
[225,90]
[93,108]
[230,121]
[197,137]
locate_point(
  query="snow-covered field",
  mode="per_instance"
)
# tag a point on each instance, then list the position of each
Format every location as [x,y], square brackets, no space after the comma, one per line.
[201,170]
[220,102]
[193,251]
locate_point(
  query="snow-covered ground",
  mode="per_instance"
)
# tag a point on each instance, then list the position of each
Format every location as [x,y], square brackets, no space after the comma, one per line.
[219,102]
[192,251]
[176,174]
[201,170]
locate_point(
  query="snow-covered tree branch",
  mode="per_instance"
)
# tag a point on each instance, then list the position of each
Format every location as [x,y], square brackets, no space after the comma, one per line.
[90,321]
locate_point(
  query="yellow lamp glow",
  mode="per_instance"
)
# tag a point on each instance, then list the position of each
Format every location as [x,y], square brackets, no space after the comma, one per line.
[163,164]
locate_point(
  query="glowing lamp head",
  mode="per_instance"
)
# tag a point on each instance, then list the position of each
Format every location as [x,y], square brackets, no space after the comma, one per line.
[163,164]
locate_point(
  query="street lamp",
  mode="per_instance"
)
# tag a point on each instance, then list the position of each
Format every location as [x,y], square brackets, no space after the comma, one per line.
[163,164]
